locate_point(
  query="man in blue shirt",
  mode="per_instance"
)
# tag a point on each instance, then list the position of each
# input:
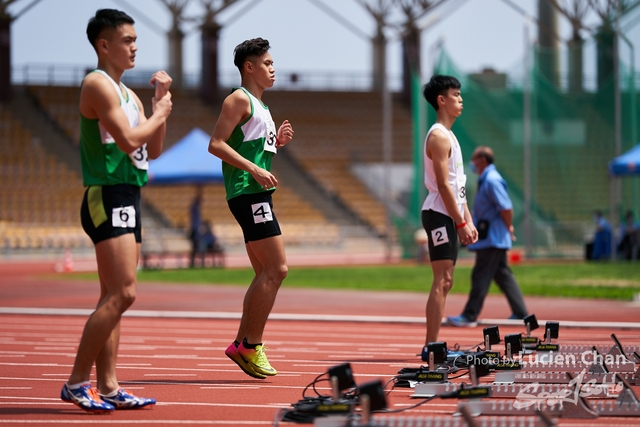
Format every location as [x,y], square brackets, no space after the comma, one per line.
[602,237]
[493,217]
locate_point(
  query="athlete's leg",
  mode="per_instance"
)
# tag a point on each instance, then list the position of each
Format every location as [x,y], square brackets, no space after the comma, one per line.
[442,283]
[270,263]
[106,361]
[244,322]
[117,267]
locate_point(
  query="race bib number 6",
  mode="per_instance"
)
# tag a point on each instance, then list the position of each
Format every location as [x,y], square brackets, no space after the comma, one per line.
[124,217]
[261,213]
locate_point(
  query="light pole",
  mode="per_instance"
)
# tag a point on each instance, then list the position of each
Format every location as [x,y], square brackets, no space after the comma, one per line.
[526,139]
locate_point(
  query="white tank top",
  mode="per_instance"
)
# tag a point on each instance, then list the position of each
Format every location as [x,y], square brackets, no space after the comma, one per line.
[140,157]
[457,179]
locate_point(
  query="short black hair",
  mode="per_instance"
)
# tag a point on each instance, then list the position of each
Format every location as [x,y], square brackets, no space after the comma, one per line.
[103,19]
[483,151]
[249,48]
[439,85]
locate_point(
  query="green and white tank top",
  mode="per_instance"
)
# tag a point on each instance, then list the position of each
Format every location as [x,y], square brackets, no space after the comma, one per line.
[103,163]
[255,140]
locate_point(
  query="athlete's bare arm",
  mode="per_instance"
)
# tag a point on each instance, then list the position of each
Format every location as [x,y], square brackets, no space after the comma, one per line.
[235,109]
[285,133]
[439,150]
[162,82]
[469,220]
[99,100]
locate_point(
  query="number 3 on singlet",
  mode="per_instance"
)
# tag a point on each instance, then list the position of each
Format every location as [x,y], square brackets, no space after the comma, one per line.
[270,137]
[261,213]
[140,158]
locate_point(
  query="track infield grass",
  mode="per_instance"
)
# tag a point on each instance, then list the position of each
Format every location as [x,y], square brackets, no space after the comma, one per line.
[618,280]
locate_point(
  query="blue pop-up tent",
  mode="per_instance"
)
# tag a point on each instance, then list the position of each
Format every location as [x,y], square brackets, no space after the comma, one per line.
[187,162]
[627,163]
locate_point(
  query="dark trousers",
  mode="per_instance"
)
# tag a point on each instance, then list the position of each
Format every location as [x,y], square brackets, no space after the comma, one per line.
[491,264]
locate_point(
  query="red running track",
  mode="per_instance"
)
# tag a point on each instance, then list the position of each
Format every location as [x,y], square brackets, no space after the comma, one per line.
[180,361]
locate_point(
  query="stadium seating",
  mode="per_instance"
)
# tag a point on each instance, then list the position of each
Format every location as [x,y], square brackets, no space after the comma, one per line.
[40,195]
[333,131]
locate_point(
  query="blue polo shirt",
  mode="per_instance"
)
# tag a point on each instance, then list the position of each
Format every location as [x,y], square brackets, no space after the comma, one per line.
[492,198]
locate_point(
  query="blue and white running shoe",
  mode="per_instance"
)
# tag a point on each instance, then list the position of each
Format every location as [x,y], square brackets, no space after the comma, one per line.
[86,398]
[125,400]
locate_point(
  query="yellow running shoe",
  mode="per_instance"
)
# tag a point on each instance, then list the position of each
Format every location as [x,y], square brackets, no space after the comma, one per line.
[232,353]
[257,359]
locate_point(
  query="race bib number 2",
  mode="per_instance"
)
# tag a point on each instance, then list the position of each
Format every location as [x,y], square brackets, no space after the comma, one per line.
[124,217]
[439,236]
[261,213]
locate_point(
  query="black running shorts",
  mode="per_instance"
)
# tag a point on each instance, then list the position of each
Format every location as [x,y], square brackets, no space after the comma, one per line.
[254,213]
[110,211]
[443,237]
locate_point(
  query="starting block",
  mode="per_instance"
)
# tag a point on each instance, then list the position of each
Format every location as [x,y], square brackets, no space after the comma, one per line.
[629,352]
[531,324]
[611,386]
[442,421]
[509,377]
[573,405]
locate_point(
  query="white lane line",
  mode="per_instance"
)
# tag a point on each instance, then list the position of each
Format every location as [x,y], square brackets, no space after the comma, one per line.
[169,375]
[227,388]
[297,317]
[142,422]
[49,401]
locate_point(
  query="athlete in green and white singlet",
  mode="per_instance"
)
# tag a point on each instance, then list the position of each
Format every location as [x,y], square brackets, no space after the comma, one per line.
[255,140]
[103,163]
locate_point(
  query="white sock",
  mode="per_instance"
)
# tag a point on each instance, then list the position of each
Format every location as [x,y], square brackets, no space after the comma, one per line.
[77,386]
[112,394]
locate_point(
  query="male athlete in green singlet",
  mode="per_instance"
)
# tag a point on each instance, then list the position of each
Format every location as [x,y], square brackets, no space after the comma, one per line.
[116,142]
[245,138]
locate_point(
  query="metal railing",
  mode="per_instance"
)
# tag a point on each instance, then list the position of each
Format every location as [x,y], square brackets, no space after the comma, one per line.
[72,75]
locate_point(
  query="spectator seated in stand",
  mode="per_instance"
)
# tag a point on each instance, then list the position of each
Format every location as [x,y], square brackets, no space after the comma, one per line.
[601,246]
[206,243]
[629,235]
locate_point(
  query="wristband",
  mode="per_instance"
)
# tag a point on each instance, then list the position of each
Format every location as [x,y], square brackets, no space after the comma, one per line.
[461,225]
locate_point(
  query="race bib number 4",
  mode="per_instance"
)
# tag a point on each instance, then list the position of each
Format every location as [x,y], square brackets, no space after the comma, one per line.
[261,213]
[124,217]
[140,158]
[439,236]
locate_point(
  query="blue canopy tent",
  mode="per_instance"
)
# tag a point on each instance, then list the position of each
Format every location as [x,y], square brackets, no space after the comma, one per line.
[627,163]
[187,162]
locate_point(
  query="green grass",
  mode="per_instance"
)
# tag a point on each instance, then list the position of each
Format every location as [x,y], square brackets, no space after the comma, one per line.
[567,279]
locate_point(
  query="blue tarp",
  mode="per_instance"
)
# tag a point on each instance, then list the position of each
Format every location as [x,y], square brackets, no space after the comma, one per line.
[627,163]
[187,162]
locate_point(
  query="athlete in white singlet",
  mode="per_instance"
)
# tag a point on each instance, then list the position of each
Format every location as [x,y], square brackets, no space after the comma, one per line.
[445,215]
